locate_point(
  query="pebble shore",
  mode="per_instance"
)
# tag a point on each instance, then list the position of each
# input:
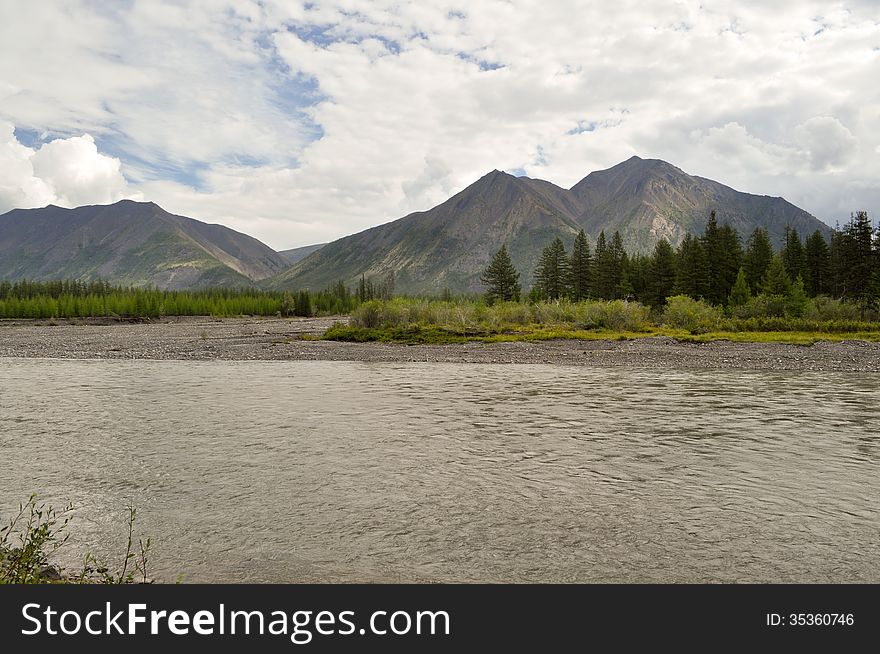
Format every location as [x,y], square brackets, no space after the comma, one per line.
[202,339]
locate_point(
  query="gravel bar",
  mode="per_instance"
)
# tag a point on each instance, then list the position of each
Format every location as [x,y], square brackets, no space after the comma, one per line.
[242,339]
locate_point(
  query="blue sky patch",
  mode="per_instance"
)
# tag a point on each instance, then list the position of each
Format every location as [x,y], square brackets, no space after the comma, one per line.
[583,126]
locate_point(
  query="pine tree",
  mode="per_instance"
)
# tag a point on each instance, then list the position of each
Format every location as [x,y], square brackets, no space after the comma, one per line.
[740,294]
[860,267]
[776,280]
[386,287]
[603,266]
[757,258]
[711,241]
[731,262]
[793,254]
[302,304]
[662,267]
[816,262]
[693,268]
[501,278]
[552,273]
[638,276]
[796,300]
[837,264]
[581,268]
[619,265]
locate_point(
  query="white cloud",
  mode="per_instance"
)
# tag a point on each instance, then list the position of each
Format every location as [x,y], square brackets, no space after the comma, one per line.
[829,144]
[215,107]
[67,172]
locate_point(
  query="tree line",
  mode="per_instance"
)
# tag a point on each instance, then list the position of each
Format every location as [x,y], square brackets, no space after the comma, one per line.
[79,299]
[716,267]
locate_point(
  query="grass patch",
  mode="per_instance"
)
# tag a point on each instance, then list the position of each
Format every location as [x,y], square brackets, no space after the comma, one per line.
[435,322]
[411,334]
[789,337]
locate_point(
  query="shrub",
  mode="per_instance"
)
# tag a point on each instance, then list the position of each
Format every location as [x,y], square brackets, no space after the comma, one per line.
[557,312]
[511,313]
[696,316]
[823,307]
[37,531]
[617,315]
[762,306]
[367,315]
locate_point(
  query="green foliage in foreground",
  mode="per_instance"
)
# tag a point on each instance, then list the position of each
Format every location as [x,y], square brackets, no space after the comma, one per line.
[434,321]
[74,299]
[30,538]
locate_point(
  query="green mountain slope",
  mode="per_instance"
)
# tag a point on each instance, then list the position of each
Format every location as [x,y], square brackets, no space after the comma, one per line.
[130,243]
[649,199]
[446,247]
[450,245]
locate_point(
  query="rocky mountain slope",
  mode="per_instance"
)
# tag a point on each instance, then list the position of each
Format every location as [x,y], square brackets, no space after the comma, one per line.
[450,245]
[130,243]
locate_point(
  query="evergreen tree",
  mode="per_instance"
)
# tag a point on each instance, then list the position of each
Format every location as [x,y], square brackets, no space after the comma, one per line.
[837,264]
[731,261]
[816,265]
[638,277]
[581,268]
[758,255]
[553,273]
[796,300]
[603,266]
[386,287]
[776,280]
[366,289]
[662,267]
[302,304]
[501,278]
[693,269]
[711,241]
[858,261]
[619,265]
[793,254]
[740,294]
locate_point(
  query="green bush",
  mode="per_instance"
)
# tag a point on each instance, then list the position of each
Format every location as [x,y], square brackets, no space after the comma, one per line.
[617,315]
[762,306]
[37,531]
[461,316]
[823,307]
[367,315]
[696,316]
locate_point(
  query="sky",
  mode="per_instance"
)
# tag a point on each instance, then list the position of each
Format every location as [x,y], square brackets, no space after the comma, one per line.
[302,122]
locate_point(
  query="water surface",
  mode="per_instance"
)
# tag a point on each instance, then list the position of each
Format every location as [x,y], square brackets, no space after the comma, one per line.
[339,471]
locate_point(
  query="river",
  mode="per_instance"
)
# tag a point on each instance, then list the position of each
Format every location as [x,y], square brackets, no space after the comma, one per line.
[337,471]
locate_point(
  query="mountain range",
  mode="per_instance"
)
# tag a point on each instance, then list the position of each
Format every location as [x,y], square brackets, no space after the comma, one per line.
[138,243]
[130,243]
[450,245]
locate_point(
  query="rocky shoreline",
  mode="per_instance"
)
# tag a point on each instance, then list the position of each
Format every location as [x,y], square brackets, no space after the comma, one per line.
[279,339]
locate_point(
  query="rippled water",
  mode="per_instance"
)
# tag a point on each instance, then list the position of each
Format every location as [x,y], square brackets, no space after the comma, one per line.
[337,471]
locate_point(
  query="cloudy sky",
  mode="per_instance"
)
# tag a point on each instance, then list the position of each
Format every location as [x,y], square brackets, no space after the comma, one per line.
[300,122]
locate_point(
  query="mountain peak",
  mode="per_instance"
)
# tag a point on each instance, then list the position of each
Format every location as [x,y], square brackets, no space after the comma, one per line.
[496,174]
[130,243]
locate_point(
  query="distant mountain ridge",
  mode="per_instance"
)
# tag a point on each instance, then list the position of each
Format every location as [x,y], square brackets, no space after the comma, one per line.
[295,255]
[130,243]
[450,245]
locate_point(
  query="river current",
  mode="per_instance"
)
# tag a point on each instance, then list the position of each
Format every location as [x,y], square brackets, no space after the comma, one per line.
[369,472]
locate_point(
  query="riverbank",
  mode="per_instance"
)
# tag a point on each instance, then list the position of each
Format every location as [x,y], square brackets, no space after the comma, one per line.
[296,339]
